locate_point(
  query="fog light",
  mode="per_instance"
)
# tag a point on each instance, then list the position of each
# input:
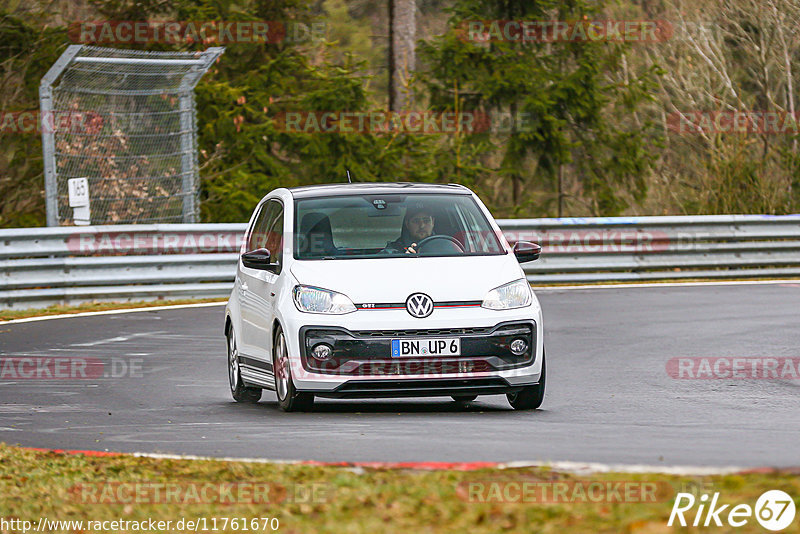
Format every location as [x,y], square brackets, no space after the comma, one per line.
[519,346]
[322,351]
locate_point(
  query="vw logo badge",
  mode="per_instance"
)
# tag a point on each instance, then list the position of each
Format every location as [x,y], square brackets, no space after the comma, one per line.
[419,305]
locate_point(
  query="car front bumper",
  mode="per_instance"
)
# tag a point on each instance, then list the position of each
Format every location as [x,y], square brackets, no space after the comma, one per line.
[426,387]
[362,365]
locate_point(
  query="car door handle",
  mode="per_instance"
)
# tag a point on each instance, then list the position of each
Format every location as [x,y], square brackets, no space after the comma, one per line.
[243,287]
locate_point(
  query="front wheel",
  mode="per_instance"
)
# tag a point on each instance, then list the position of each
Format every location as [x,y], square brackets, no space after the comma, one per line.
[289,400]
[239,392]
[530,397]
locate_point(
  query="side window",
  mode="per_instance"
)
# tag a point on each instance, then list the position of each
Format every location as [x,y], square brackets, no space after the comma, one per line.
[265,218]
[477,240]
[275,235]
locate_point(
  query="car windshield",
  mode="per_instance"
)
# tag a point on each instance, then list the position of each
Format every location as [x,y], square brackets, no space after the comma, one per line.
[391,225]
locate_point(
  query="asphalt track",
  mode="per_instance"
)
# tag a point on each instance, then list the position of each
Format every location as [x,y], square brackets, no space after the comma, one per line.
[609,396]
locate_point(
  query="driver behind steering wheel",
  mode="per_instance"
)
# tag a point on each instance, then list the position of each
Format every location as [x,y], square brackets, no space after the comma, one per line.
[417,225]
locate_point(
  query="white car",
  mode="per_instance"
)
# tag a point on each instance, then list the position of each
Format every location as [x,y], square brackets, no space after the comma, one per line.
[382,290]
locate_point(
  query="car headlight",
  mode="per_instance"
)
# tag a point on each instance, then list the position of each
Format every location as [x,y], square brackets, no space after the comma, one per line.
[516,294]
[316,300]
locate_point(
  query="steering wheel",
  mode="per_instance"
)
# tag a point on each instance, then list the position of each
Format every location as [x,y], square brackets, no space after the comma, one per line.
[452,239]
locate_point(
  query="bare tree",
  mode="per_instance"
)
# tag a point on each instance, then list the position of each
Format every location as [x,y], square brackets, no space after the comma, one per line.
[730,57]
[402,57]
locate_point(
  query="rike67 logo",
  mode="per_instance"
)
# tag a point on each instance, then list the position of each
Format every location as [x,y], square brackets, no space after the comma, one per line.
[774,510]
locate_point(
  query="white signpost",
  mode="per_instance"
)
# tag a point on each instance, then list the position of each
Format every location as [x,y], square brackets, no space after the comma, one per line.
[79,200]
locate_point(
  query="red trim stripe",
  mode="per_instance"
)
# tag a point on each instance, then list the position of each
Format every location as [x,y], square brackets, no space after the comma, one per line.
[426,466]
[68,451]
[435,306]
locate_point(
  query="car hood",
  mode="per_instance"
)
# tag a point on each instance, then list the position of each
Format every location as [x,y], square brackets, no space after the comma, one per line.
[385,280]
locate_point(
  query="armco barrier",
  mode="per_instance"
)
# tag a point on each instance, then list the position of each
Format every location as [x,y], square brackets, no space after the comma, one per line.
[43,266]
[609,249]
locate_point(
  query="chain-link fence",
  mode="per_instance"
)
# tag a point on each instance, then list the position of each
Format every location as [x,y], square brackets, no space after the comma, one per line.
[125,120]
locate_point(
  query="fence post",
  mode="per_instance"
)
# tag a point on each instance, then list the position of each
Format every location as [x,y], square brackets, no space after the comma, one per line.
[188,157]
[48,133]
[189,164]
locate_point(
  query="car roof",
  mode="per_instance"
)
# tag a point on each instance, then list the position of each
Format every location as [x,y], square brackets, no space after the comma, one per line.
[375,188]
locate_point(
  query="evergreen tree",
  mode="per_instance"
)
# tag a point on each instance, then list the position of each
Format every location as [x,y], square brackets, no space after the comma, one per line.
[570,113]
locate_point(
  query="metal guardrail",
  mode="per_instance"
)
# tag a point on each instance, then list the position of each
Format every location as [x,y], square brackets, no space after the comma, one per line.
[44,266]
[612,249]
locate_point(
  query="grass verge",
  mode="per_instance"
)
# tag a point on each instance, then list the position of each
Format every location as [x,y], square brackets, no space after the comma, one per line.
[8,315]
[57,486]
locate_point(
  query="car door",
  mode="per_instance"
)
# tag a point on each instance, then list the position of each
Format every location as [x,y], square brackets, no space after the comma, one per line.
[262,289]
[254,304]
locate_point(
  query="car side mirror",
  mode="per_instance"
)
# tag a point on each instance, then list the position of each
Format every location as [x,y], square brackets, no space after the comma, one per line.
[526,251]
[259,259]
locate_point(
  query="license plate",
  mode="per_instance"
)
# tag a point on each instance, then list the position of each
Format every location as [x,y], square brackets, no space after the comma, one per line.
[409,348]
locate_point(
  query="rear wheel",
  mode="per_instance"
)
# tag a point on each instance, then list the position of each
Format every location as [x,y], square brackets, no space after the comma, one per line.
[530,397]
[289,399]
[239,392]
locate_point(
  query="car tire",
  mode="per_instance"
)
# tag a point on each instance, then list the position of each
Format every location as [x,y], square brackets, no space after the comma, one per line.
[289,399]
[239,391]
[530,397]
[464,398]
